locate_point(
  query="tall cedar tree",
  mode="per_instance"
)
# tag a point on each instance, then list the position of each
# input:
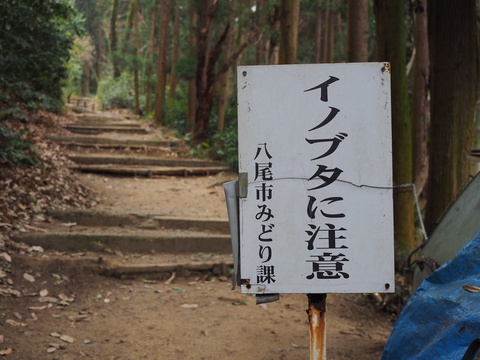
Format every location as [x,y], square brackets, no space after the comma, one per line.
[357,31]
[175,52]
[318,32]
[113,39]
[390,31]
[192,89]
[162,61]
[223,98]
[420,106]
[151,46]
[289,17]
[208,74]
[135,58]
[452,32]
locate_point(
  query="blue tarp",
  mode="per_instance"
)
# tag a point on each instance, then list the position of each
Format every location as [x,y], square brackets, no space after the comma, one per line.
[442,319]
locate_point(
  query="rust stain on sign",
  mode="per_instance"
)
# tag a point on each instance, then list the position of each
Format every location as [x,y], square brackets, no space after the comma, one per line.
[386,66]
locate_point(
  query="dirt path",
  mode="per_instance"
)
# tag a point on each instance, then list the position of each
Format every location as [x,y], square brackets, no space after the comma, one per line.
[59,307]
[193,318]
[200,197]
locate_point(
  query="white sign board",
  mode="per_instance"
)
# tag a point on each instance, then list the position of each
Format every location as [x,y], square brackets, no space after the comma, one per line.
[315,162]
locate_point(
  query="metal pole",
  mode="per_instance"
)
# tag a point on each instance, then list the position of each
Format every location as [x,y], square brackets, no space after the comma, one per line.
[316,319]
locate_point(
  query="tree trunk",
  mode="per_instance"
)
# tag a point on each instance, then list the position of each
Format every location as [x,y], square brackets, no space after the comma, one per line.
[331,32]
[203,82]
[127,28]
[162,61]
[272,50]
[260,49]
[390,29]
[452,33]
[206,77]
[223,101]
[192,90]
[289,17]
[420,95]
[175,52]
[148,105]
[318,33]
[135,57]
[113,39]
[326,36]
[86,79]
[100,54]
[357,31]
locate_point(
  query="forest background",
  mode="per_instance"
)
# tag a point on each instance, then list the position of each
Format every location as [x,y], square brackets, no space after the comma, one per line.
[175,61]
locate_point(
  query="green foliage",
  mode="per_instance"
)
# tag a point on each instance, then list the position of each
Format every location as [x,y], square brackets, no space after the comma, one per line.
[222,146]
[81,55]
[176,111]
[34,47]
[14,150]
[116,92]
[186,66]
[226,148]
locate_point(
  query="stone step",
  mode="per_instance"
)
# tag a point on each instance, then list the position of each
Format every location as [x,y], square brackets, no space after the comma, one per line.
[95,218]
[144,170]
[149,267]
[99,117]
[124,124]
[129,240]
[181,266]
[102,159]
[110,142]
[93,129]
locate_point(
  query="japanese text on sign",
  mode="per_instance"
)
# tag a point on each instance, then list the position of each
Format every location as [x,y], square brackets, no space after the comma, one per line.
[315,146]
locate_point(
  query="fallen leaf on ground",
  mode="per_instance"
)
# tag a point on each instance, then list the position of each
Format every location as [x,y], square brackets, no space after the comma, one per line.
[7,351]
[37,307]
[67,339]
[29,277]
[77,318]
[2,274]
[149,281]
[48,299]
[189,306]
[51,350]
[56,276]
[64,297]
[43,293]
[36,249]
[55,334]
[10,292]
[15,323]
[6,256]
[170,279]
[473,289]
